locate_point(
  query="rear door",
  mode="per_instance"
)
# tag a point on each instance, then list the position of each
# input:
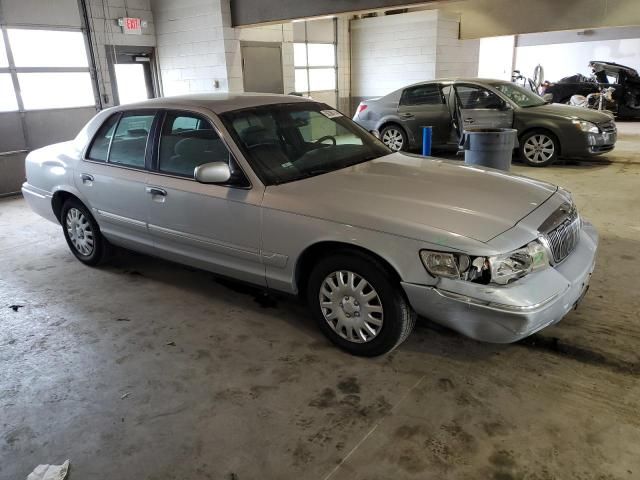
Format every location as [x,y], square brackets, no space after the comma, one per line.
[479,107]
[112,176]
[425,105]
[215,227]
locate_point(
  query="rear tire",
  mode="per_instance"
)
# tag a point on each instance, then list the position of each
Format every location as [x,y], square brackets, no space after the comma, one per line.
[394,137]
[82,233]
[539,148]
[358,305]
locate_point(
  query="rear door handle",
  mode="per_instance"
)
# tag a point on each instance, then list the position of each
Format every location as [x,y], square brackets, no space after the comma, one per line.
[469,120]
[406,115]
[86,178]
[156,191]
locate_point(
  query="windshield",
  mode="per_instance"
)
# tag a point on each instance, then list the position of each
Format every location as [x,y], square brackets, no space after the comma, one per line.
[520,96]
[288,142]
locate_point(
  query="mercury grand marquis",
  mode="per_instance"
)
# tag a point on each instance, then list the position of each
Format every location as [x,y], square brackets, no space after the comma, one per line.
[291,195]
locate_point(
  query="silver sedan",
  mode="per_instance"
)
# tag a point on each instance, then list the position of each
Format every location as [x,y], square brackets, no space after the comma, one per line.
[290,195]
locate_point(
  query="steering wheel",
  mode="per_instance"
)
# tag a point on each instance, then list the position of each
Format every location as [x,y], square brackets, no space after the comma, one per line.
[327,137]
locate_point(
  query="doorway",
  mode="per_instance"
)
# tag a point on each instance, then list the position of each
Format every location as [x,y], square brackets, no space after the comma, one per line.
[131,73]
[262,67]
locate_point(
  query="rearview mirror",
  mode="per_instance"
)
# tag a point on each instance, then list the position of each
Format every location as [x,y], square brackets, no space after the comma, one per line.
[213,172]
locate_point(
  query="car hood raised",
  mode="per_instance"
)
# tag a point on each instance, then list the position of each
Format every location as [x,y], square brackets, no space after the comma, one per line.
[410,196]
[571,112]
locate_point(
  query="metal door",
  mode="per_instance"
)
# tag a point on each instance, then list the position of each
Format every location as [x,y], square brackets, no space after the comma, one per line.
[262,67]
[214,227]
[115,190]
[479,107]
[425,105]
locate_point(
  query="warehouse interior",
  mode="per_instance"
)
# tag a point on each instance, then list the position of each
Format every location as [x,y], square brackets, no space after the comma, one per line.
[148,369]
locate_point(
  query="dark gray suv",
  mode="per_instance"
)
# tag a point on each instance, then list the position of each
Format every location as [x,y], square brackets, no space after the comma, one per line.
[546,131]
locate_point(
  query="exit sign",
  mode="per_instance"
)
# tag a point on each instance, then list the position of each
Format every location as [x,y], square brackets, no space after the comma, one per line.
[131,26]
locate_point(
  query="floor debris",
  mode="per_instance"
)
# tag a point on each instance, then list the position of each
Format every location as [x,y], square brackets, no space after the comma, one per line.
[50,472]
[125,395]
[15,308]
[171,344]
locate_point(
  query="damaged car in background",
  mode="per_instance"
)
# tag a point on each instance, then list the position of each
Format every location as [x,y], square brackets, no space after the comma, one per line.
[612,87]
[290,195]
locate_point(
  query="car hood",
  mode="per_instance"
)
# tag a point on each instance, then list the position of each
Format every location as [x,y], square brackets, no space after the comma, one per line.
[571,112]
[414,196]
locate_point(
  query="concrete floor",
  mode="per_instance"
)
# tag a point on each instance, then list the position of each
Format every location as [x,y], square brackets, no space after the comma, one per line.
[148,370]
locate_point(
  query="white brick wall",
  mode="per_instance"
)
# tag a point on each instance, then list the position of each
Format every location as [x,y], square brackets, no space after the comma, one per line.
[105,31]
[196,46]
[390,52]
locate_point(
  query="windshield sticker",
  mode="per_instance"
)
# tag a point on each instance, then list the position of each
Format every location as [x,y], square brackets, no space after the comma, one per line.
[287,165]
[331,113]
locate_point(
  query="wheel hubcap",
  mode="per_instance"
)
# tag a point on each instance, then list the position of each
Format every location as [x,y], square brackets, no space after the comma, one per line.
[80,233]
[539,148]
[351,306]
[392,138]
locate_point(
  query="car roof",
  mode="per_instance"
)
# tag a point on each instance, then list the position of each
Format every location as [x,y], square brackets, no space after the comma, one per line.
[458,80]
[216,102]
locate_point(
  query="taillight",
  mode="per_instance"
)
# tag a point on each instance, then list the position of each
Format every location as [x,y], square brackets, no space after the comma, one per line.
[361,108]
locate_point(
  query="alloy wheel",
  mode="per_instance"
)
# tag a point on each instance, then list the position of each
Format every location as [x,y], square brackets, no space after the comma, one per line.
[393,139]
[80,232]
[351,306]
[539,148]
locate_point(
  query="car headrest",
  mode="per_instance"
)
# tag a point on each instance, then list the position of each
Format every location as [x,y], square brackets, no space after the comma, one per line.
[254,135]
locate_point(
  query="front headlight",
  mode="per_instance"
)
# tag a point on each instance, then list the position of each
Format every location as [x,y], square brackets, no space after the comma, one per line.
[512,266]
[456,265]
[585,126]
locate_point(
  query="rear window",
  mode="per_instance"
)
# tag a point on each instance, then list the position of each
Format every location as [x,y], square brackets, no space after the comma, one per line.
[122,139]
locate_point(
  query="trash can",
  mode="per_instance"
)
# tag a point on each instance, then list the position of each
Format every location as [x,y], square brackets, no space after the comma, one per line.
[489,147]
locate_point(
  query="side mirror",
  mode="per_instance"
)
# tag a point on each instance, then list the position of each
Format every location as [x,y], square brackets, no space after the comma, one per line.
[376,134]
[213,172]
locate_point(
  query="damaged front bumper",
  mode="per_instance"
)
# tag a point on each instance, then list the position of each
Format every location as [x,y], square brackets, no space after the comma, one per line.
[505,314]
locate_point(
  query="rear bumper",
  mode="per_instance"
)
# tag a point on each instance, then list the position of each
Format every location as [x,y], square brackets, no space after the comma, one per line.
[39,201]
[505,314]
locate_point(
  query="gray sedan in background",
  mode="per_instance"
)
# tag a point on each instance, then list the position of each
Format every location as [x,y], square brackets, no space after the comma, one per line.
[290,195]
[545,131]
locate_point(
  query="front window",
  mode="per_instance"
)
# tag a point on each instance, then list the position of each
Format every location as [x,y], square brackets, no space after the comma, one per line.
[520,96]
[288,142]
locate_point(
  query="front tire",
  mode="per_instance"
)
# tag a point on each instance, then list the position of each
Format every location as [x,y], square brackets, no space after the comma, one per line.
[539,148]
[82,233]
[394,137]
[357,305]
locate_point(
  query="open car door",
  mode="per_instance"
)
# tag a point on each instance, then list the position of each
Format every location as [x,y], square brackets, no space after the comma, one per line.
[477,107]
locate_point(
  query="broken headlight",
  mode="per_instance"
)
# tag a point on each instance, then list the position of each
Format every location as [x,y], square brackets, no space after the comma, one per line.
[500,269]
[512,266]
[456,265]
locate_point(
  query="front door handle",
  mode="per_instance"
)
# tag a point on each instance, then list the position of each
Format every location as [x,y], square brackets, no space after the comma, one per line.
[469,120]
[156,191]
[86,177]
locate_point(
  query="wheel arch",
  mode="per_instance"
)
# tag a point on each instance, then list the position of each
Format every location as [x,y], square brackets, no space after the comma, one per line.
[313,253]
[59,198]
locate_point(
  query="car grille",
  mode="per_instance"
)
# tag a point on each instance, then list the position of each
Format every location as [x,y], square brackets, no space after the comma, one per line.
[608,127]
[564,237]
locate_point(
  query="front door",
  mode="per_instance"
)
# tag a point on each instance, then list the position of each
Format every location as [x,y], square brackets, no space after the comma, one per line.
[112,177]
[262,67]
[477,107]
[425,106]
[215,227]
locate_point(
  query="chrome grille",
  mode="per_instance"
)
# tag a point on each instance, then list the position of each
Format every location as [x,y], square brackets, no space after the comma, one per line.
[608,127]
[564,237]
